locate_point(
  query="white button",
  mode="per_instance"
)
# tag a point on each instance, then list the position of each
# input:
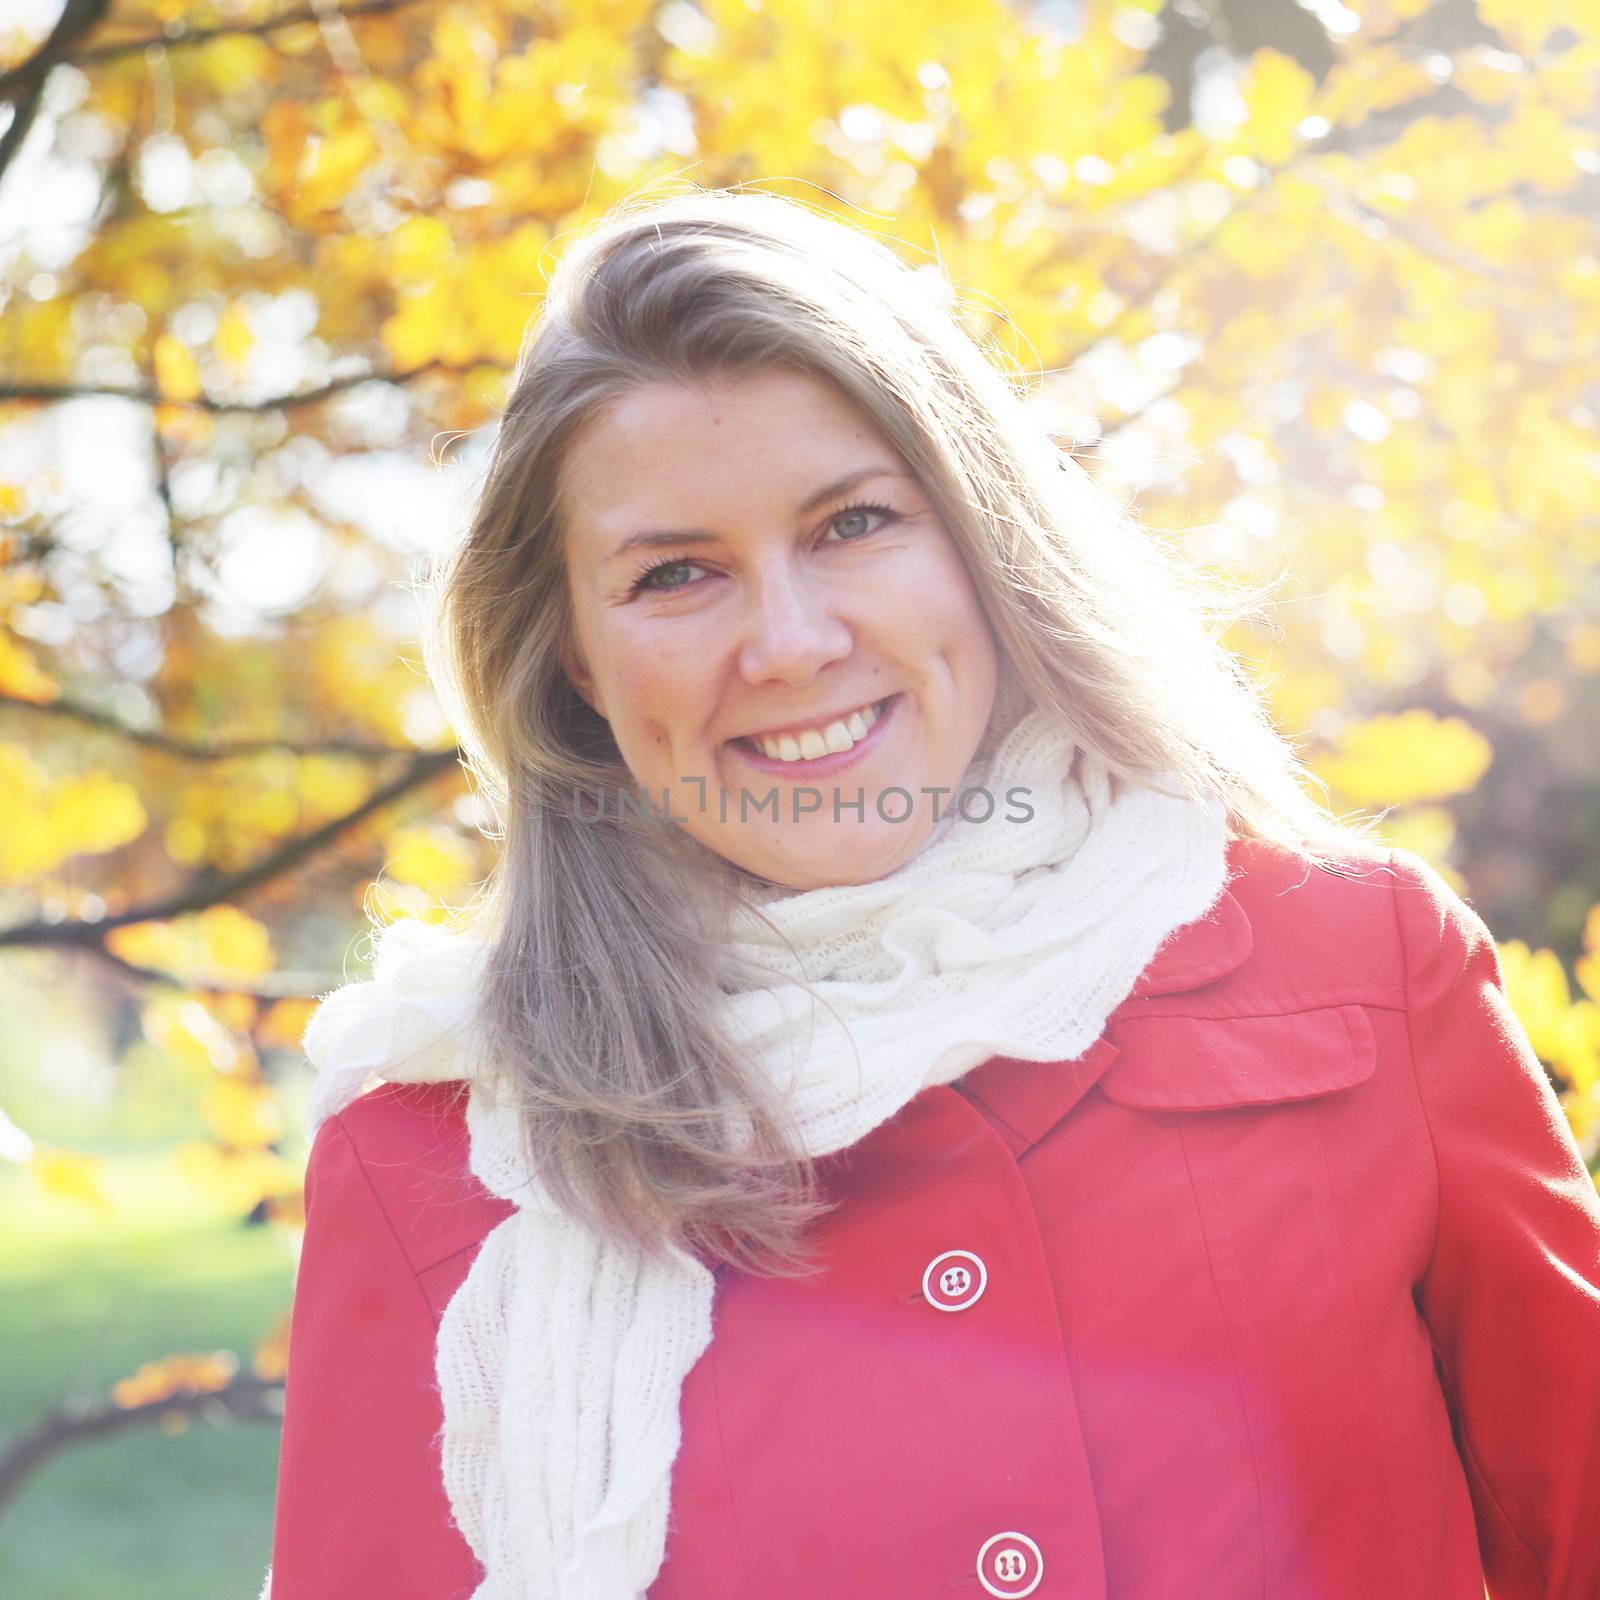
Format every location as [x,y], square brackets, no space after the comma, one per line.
[1010,1565]
[953,1281]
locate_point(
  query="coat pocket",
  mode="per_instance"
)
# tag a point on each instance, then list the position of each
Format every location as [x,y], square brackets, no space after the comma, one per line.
[1211,1063]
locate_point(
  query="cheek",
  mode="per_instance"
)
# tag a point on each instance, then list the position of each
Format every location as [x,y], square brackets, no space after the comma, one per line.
[937,603]
[657,678]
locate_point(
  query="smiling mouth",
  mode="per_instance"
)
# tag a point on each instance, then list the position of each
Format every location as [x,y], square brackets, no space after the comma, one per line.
[832,738]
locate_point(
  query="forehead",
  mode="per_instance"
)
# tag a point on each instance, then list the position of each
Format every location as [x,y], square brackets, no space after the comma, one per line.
[670,452]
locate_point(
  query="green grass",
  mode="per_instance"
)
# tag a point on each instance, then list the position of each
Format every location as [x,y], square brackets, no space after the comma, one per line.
[85,1298]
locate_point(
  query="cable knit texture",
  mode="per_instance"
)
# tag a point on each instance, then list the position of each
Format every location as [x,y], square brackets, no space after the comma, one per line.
[560,1358]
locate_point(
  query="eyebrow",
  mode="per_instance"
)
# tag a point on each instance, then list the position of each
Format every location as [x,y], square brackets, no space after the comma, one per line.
[810,503]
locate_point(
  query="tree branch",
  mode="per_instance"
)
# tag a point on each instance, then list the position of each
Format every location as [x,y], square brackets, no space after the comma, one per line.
[281,986]
[244,1398]
[186,39]
[23,85]
[149,397]
[213,888]
[24,111]
[195,750]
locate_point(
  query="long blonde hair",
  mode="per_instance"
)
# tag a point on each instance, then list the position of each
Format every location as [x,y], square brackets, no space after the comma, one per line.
[599,1006]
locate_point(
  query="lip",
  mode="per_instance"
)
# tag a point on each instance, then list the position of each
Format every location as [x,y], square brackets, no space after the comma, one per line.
[821,766]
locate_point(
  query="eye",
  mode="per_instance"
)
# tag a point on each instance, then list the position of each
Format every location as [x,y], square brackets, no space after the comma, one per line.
[642,582]
[862,511]
[857,514]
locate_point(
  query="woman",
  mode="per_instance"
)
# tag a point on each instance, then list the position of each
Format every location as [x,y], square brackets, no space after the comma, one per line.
[927,1103]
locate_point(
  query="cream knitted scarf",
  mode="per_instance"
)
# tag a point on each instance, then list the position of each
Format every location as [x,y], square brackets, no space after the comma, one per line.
[560,1358]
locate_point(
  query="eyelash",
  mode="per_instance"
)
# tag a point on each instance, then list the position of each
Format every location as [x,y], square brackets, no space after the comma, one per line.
[642,582]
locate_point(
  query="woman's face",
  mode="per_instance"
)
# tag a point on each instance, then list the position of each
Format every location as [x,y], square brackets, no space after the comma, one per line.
[755,577]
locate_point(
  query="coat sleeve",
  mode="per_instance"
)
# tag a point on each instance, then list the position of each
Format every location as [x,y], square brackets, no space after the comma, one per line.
[1511,1295]
[361,1507]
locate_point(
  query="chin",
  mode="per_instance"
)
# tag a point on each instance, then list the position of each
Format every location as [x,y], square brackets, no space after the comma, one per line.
[832,864]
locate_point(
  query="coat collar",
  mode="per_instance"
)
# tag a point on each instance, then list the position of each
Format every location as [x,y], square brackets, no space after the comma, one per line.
[1199,952]
[1153,1058]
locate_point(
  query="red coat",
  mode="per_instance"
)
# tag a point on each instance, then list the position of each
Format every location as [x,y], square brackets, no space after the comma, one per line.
[1287,1289]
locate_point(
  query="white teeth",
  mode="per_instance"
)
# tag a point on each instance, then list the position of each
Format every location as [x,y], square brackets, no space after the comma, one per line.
[814,742]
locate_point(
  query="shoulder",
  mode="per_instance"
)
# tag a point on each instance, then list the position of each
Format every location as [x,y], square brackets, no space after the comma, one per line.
[1336,930]
[1275,994]
[411,1142]
[1316,944]
[1368,920]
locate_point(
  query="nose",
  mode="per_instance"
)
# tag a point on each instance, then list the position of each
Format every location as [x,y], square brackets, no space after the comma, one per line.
[792,628]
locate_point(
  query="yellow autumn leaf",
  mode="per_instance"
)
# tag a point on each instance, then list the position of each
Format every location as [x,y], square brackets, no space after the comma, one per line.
[329,167]
[1297,697]
[74,1175]
[21,777]
[418,248]
[1579,1061]
[284,1024]
[218,943]
[183,425]
[1564,1032]
[208,1033]
[1537,146]
[1428,831]
[1536,986]
[1325,407]
[271,1356]
[286,1208]
[1526,24]
[1373,80]
[423,327]
[1583,1117]
[236,1180]
[430,855]
[21,676]
[1257,244]
[92,811]
[1277,95]
[1404,758]
[234,338]
[239,61]
[185,841]
[37,333]
[328,786]
[177,373]
[184,1029]
[284,128]
[241,1114]
[234,1010]
[1587,967]
[48,820]
[388,900]
[181,1373]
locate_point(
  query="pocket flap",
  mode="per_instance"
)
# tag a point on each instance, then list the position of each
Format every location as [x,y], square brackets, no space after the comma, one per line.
[1209,1063]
